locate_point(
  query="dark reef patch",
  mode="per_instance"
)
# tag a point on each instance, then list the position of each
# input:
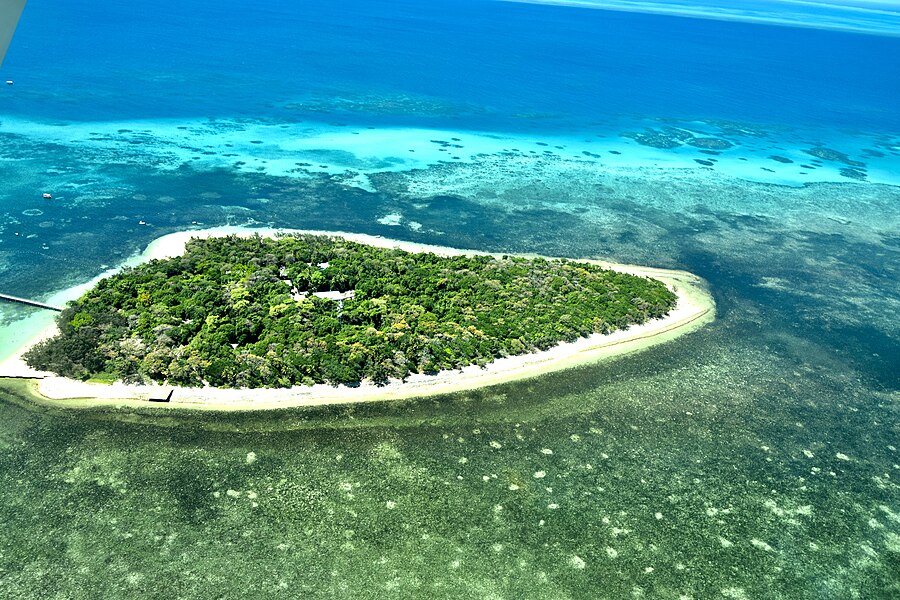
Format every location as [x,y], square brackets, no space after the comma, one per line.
[664,139]
[834,156]
[858,174]
[710,143]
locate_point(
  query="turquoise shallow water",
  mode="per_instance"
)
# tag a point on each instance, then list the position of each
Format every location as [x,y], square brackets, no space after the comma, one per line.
[756,458]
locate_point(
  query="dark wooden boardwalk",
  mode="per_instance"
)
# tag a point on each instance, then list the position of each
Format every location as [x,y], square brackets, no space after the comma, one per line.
[35,303]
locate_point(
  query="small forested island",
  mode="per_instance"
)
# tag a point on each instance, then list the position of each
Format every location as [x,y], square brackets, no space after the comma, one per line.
[305,309]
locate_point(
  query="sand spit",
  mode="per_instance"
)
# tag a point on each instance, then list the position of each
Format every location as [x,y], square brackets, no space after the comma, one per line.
[694,309]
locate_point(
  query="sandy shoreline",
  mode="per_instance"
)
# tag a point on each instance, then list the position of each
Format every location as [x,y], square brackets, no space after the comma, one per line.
[694,309]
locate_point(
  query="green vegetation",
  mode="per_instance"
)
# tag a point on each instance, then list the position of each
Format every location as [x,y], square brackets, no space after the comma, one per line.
[241,312]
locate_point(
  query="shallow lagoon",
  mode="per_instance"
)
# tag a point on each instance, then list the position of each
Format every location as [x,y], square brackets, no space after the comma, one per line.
[755,458]
[756,455]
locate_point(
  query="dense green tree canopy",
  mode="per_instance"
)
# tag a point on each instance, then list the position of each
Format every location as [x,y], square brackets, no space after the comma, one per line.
[242,312]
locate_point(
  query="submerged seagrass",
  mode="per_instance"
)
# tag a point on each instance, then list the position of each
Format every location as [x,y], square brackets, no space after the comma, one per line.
[256,312]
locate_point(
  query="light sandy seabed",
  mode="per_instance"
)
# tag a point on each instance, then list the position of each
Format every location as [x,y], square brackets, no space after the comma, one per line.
[695,308]
[356,153]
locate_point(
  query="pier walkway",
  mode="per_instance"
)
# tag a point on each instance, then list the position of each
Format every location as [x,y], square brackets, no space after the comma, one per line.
[35,303]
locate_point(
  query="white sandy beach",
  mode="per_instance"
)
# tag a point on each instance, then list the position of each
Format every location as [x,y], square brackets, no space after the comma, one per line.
[695,308]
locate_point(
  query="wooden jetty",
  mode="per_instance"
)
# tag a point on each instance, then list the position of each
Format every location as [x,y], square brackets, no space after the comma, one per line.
[28,302]
[166,399]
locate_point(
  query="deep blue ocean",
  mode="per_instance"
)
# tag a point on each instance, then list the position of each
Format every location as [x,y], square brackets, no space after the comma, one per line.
[755,144]
[85,60]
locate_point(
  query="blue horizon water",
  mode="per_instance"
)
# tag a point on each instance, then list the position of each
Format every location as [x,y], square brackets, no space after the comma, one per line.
[755,458]
[151,61]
